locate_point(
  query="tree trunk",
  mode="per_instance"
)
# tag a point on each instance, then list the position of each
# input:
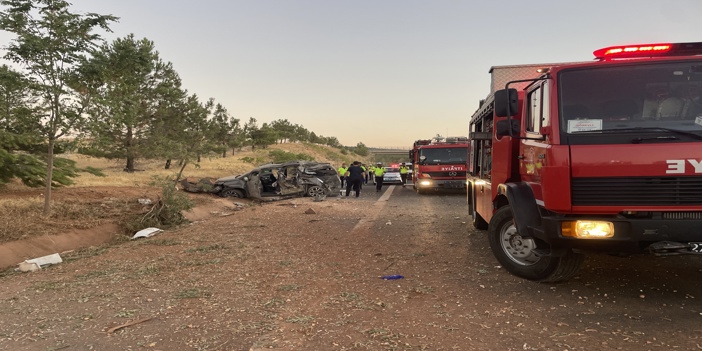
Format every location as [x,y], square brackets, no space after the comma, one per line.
[49,178]
[198,158]
[130,164]
[168,164]
[180,173]
[130,156]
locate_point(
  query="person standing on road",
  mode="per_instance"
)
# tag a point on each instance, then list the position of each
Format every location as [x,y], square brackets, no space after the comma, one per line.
[404,169]
[379,172]
[342,173]
[354,178]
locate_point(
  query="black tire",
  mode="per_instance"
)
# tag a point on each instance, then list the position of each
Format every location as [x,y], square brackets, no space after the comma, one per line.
[517,254]
[231,192]
[315,190]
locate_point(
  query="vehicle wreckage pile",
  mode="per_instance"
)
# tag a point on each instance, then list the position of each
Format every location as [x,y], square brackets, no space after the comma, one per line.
[273,180]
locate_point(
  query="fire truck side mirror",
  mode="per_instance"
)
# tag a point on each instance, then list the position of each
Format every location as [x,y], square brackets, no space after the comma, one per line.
[502,128]
[506,99]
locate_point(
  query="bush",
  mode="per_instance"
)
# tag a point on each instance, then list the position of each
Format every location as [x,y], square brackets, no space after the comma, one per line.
[280,156]
[166,212]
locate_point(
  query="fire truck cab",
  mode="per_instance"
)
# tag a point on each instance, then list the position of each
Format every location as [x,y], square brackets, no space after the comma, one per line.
[603,156]
[439,164]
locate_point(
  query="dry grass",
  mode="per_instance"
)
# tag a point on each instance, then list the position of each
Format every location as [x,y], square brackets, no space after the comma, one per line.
[212,166]
[94,200]
[21,218]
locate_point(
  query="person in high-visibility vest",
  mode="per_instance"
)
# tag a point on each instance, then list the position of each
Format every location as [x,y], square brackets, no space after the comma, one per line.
[404,170]
[379,172]
[342,173]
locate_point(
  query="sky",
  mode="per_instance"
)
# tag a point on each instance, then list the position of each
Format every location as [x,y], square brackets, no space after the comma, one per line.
[381,72]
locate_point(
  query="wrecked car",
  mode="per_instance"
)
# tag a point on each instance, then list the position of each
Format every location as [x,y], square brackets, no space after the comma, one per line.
[298,178]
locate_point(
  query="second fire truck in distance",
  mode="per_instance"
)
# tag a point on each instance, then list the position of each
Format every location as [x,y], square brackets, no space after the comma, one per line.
[439,164]
[599,156]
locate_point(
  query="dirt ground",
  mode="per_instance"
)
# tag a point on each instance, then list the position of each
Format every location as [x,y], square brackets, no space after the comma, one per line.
[304,275]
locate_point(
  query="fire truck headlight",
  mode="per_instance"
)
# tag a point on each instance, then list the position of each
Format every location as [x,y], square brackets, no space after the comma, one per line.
[425,183]
[588,229]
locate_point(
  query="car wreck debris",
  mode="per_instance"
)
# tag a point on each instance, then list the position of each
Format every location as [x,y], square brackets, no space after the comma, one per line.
[39,262]
[147,232]
[273,182]
[195,185]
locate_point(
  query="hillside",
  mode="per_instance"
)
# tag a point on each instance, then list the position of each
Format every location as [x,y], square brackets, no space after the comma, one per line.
[211,166]
[96,201]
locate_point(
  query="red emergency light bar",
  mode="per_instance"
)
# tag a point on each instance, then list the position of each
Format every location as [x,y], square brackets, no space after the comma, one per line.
[648,50]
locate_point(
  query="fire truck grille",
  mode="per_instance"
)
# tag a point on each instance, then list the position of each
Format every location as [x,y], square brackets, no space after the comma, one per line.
[682,215]
[637,191]
[446,174]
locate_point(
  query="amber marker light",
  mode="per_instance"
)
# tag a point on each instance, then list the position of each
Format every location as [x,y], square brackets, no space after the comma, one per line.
[588,229]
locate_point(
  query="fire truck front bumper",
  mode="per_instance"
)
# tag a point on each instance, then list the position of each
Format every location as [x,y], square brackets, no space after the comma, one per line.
[655,235]
[441,183]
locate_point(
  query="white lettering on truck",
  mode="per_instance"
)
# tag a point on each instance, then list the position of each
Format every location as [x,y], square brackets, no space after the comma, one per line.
[452,168]
[678,166]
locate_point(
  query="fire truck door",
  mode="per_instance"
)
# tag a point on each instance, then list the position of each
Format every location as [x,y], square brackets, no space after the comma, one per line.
[532,150]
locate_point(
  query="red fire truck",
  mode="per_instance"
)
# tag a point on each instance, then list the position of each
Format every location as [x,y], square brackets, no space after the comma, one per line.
[439,164]
[598,156]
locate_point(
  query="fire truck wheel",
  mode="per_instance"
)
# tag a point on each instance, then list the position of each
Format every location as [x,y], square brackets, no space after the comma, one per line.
[517,254]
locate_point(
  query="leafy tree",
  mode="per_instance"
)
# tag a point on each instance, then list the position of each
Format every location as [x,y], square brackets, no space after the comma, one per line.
[199,134]
[166,134]
[251,131]
[300,133]
[48,48]
[332,141]
[226,129]
[265,136]
[361,149]
[121,79]
[284,129]
[16,99]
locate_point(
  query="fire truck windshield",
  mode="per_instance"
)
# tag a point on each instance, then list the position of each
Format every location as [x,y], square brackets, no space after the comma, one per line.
[442,156]
[631,97]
